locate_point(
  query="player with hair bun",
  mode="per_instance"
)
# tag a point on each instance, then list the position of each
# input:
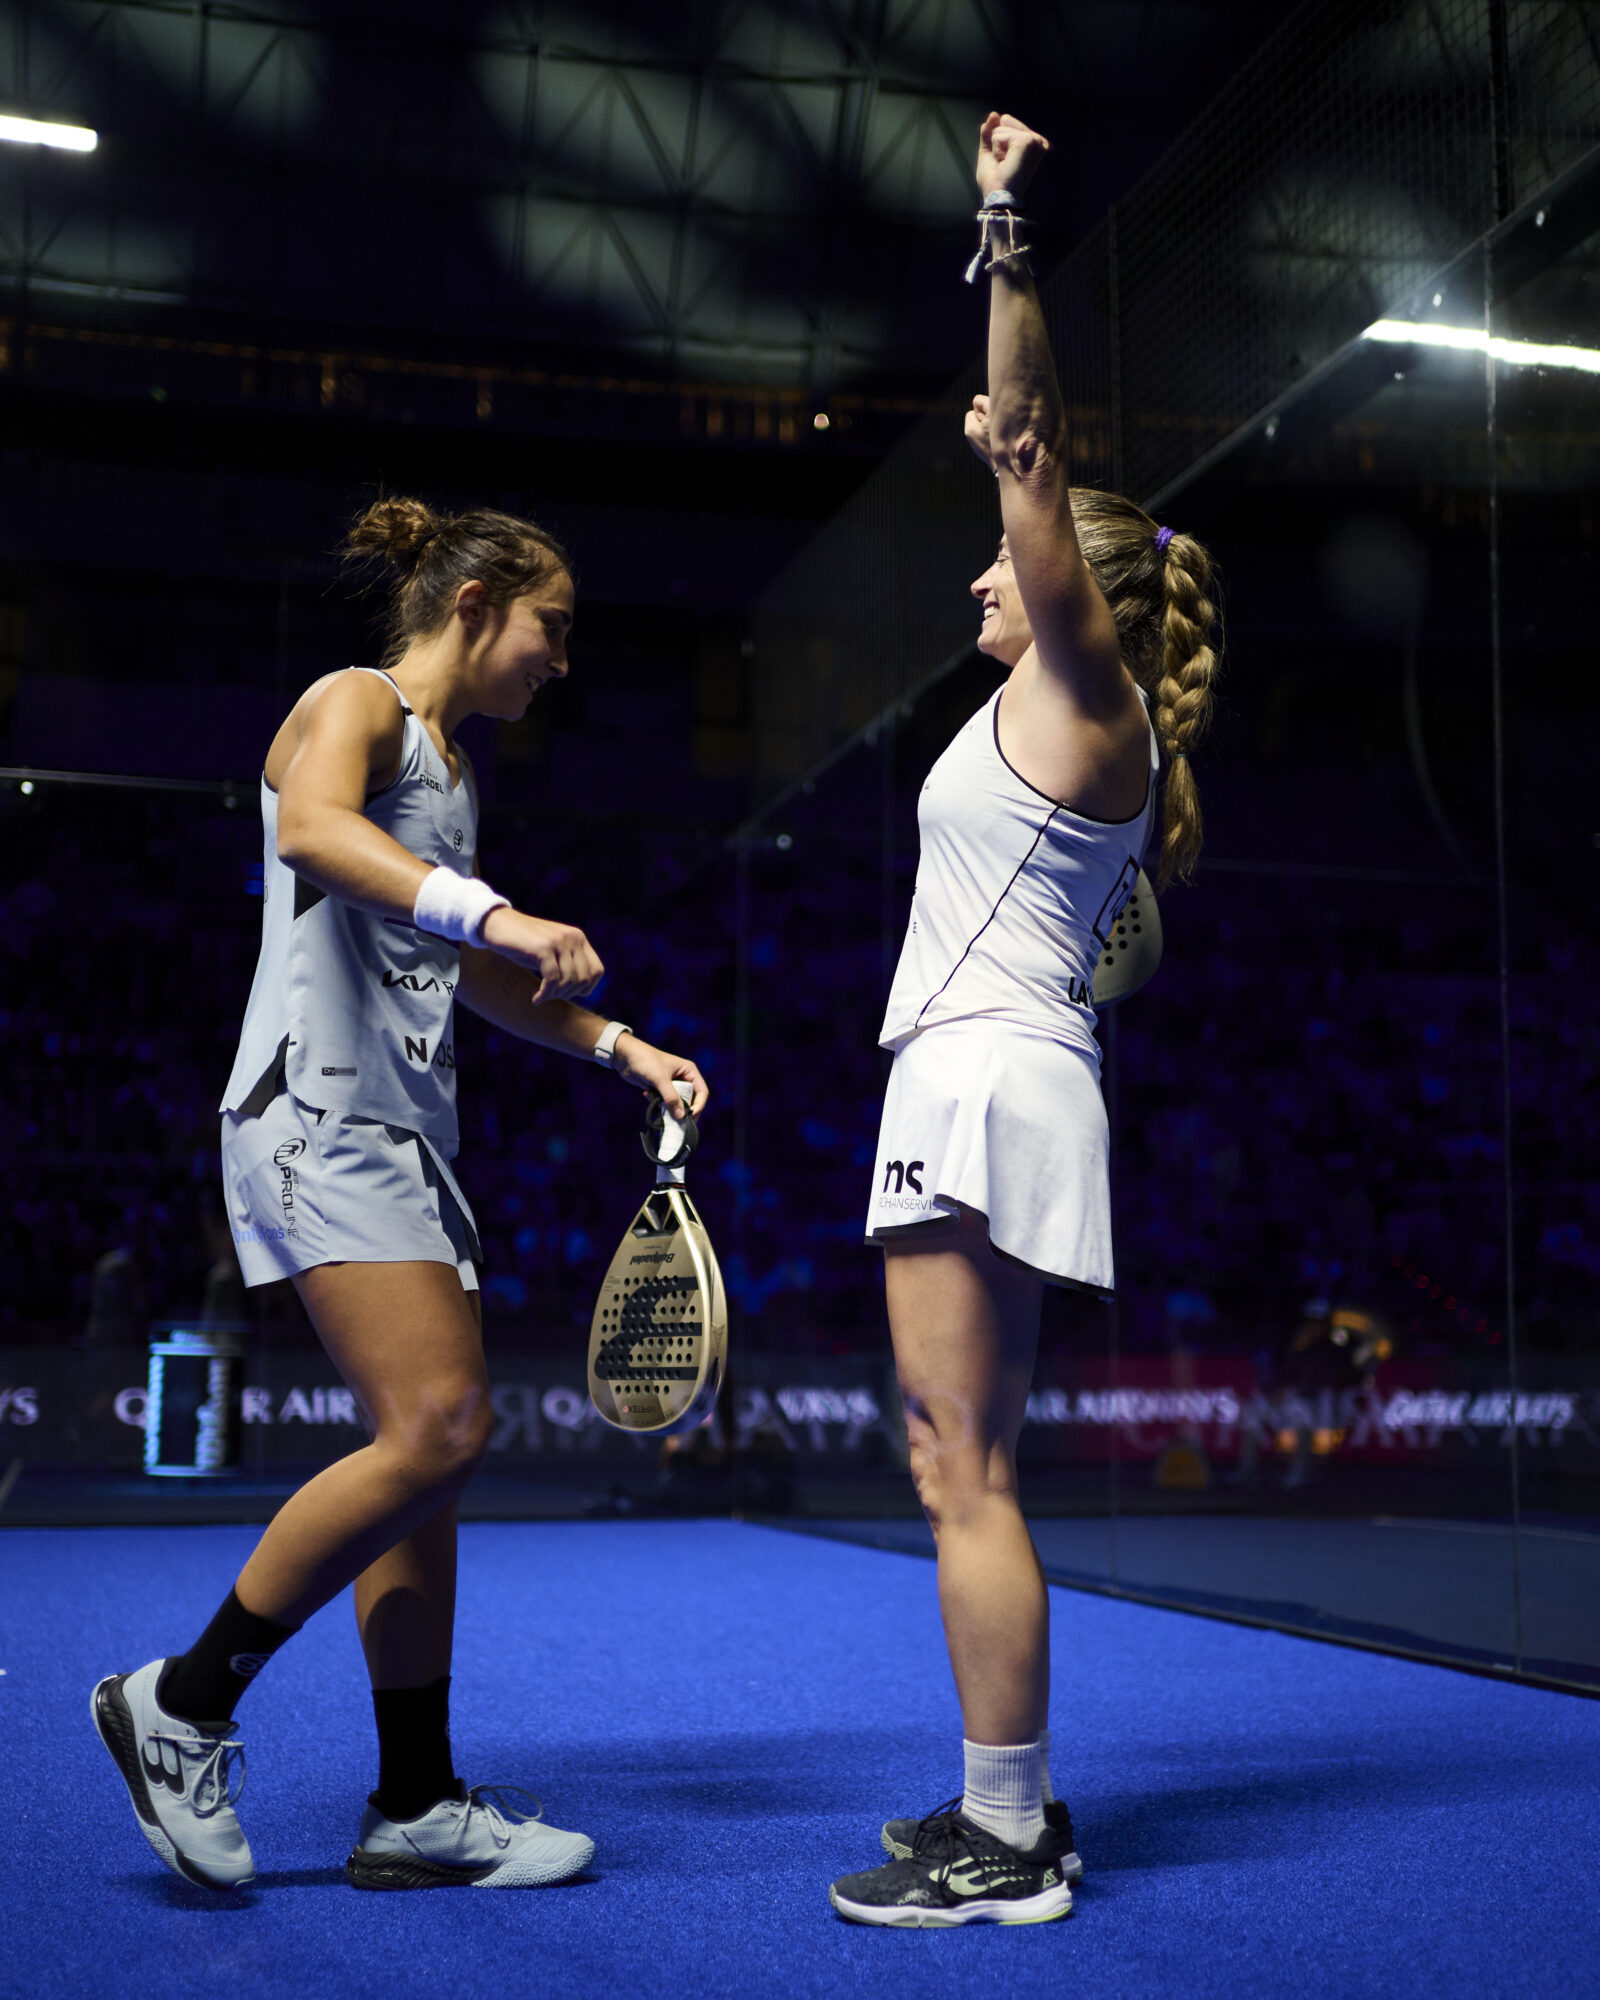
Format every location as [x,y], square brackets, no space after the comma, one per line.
[992,1178]
[339,1125]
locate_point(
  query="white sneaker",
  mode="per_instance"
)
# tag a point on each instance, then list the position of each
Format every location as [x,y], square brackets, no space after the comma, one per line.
[481,1839]
[179,1778]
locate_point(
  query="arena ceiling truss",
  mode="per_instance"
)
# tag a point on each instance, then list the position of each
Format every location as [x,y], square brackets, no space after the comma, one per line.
[764,193]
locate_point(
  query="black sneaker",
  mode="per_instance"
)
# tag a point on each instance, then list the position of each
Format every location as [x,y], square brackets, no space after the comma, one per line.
[900,1835]
[959,1875]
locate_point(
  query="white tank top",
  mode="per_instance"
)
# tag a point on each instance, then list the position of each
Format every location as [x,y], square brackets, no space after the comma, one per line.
[1015,895]
[355,1011]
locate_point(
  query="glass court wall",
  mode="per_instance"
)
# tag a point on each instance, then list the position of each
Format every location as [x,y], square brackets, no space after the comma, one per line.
[1351,1384]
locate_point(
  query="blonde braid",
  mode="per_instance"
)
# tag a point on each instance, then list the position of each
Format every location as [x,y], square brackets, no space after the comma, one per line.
[1159,586]
[1182,707]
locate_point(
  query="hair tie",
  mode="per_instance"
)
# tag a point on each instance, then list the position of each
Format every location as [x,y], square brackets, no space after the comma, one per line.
[416,553]
[1179,753]
[1163,536]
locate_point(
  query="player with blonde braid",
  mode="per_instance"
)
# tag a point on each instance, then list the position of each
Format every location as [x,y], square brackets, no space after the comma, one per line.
[992,1178]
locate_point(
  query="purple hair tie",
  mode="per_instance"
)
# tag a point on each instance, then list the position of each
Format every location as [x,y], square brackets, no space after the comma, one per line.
[1163,536]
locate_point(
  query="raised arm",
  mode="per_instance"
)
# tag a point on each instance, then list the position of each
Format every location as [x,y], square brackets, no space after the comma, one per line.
[1021,428]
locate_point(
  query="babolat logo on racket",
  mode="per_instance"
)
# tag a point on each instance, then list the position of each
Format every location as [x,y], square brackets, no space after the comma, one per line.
[652,1257]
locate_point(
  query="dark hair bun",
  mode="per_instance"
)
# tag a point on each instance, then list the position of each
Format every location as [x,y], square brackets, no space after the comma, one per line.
[397,528]
[435,554]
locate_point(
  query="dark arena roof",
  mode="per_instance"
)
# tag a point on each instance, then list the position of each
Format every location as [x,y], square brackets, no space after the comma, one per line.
[768,196]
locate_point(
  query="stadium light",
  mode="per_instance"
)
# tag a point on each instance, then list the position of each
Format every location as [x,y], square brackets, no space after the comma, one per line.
[1473,339]
[40,132]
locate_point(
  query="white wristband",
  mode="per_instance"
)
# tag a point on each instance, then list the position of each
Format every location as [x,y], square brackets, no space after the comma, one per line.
[454,906]
[605,1050]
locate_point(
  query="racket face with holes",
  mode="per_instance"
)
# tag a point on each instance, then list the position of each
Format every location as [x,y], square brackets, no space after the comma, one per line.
[1131,956]
[658,1344]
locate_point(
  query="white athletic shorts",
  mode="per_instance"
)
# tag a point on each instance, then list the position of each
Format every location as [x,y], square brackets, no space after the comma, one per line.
[307,1187]
[985,1116]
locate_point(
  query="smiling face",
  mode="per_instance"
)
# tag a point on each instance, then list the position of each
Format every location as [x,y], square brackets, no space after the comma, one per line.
[517,647]
[1006,633]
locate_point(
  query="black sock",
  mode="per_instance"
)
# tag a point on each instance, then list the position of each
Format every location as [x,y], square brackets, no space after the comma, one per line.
[414,1766]
[204,1684]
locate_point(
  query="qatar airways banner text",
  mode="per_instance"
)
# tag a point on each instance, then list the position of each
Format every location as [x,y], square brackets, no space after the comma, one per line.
[88,1407]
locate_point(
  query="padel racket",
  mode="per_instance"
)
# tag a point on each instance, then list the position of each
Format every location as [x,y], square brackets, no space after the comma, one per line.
[1131,956]
[658,1344]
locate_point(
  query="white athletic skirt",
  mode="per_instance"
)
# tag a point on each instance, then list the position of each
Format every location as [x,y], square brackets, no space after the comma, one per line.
[985,1116]
[307,1187]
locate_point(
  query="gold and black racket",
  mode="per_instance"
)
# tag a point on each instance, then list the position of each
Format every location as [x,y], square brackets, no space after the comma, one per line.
[658,1346]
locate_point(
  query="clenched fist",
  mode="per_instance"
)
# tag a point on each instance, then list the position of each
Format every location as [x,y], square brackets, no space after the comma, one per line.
[567,964]
[1008,154]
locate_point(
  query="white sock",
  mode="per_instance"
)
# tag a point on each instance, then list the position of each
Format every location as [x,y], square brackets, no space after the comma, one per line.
[1002,1793]
[1046,1788]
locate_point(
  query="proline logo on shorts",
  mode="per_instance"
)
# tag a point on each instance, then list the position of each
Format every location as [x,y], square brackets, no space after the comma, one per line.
[287,1153]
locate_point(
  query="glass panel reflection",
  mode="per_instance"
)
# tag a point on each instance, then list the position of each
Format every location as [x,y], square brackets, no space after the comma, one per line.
[1548,471]
[1310,1174]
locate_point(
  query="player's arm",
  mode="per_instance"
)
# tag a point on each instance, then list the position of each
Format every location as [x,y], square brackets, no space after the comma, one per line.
[349,745]
[1021,427]
[499,990]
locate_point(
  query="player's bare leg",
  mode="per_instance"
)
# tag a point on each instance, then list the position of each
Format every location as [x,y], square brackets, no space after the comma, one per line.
[965,1328]
[408,1340]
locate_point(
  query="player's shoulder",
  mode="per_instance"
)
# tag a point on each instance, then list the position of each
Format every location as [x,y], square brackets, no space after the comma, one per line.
[347,709]
[351,698]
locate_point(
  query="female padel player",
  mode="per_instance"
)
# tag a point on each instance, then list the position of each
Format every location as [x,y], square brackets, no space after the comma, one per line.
[992,1175]
[339,1124]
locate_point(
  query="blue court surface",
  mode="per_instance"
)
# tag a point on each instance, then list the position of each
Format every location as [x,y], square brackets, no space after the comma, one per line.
[731,1711]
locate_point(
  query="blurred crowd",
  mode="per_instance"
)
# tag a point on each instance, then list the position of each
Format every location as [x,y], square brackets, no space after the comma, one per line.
[1309,1099]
